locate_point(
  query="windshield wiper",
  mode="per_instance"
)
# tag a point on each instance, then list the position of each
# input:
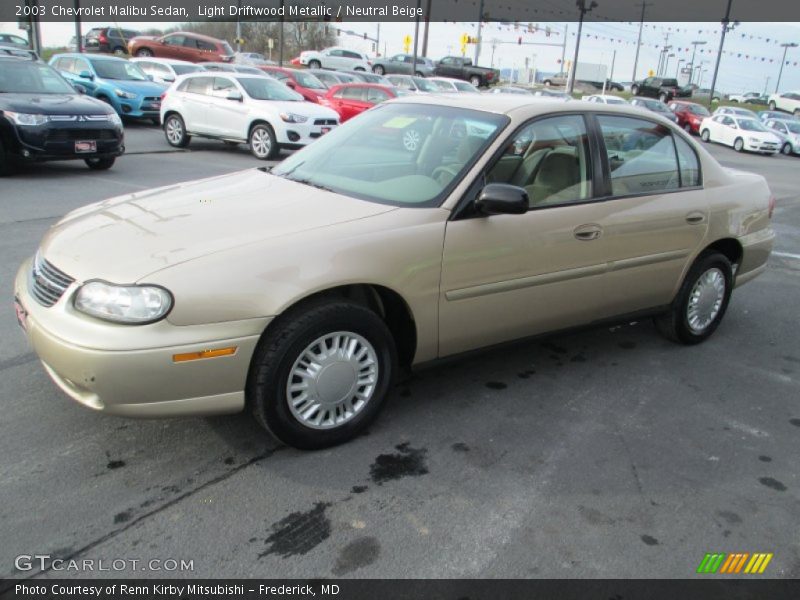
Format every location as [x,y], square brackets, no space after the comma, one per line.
[312,184]
[292,170]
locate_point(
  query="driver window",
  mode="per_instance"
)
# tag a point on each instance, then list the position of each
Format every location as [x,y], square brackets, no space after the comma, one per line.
[550,159]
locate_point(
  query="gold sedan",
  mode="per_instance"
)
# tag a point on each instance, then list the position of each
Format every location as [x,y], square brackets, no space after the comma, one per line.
[298,293]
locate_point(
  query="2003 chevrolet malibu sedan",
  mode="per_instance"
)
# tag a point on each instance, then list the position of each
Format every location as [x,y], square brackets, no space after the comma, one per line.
[298,292]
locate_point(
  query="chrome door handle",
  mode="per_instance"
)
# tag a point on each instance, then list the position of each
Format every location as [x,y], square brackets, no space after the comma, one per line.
[695,217]
[587,233]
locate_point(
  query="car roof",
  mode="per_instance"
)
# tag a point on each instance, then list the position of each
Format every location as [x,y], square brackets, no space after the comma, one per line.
[89,57]
[166,61]
[198,36]
[500,103]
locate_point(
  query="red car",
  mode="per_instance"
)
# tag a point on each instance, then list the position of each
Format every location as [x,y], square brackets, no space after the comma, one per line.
[690,115]
[182,45]
[351,99]
[301,82]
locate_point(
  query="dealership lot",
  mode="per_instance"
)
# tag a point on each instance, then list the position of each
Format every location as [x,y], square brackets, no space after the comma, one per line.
[607,453]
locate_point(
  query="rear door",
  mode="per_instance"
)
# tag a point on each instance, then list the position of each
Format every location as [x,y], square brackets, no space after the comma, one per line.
[333,59]
[353,101]
[195,92]
[172,46]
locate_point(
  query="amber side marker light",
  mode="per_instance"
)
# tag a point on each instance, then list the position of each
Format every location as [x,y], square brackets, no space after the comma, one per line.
[204,354]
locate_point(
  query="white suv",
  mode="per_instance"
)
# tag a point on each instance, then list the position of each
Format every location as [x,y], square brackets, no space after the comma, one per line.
[336,58]
[788,102]
[239,108]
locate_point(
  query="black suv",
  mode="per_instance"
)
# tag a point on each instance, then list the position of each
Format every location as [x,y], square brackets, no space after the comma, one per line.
[660,87]
[42,117]
[111,40]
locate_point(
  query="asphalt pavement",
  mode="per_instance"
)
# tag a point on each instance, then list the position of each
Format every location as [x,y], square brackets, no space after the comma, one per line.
[603,453]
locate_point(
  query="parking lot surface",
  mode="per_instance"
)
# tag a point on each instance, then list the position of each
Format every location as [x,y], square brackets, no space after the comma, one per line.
[608,452]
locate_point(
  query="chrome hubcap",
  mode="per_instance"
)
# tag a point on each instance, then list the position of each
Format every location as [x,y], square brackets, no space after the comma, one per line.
[174,131]
[332,380]
[411,140]
[705,301]
[260,142]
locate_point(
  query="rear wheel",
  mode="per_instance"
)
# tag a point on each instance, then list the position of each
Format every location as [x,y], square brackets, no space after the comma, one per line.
[663,97]
[787,149]
[475,80]
[145,52]
[772,105]
[687,128]
[635,90]
[547,83]
[314,64]
[100,164]
[321,373]
[701,302]
[263,144]
[705,135]
[738,144]
[119,51]
[378,70]
[175,132]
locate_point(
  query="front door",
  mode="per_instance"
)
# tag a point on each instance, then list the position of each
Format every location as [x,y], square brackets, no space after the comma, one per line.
[227,118]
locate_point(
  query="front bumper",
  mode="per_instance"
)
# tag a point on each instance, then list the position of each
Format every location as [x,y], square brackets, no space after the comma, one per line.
[770,147]
[297,135]
[57,141]
[139,107]
[129,370]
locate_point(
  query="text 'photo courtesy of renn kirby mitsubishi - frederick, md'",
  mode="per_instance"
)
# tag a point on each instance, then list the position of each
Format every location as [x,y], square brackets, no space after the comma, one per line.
[416,300]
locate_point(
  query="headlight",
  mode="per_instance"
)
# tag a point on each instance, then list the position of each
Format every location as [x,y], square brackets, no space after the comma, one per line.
[132,304]
[26,118]
[115,119]
[293,118]
[753,140]
[124,94]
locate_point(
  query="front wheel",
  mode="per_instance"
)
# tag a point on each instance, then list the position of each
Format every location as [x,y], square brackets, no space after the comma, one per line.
[100,164]
[547,83]
[663,97]
[787,149]
[144,52]
[175,132]
[119,51]
[321,373]
[701,302]
[772,105]
[263,144]
[475,80]
[705,135]
[378,70]
[635,90]
[688,128]
[738,144]
[314,64]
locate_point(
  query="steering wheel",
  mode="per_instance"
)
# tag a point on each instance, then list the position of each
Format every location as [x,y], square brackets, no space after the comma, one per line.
[444,171]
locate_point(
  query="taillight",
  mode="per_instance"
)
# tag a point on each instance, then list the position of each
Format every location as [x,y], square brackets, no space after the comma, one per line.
[489,76]
[103,39]
[771,205]
[164,95]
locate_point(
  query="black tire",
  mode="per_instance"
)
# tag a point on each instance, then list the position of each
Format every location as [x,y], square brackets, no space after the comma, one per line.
[144,52]
[314,64]
[100,164]
[635,90]
[738,145]
[705,135]
[6,166]
[674,325]
[772,105]
[175,131]
[787,149]
[475,80]
[258,148]
[663,97]
[687,128]
[119,51]
[547,83]
[378,70]
[284,343]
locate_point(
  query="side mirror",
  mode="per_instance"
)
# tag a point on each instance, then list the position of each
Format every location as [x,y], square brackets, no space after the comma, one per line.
[149,77]
[502,199]
[86,75]
[290,84]
[79,88]
[169,79]
[234,95]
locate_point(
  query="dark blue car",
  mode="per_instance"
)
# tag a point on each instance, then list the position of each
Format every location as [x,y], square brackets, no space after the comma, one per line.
[117,81]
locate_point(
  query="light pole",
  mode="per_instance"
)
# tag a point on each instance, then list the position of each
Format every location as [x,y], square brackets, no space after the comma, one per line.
[666,65]
[783,61]
[726,27]
[581,4]
[638,43]
[678,69]
[696,43]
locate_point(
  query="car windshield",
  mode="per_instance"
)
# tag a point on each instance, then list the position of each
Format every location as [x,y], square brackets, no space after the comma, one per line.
[27,77]
[793,127]
[184,69]
[743,112]
[424,85]
[698,110]
[463,86]
[121,70]
[373,158]
[443,86]
[264,88]
[613,100]
[751,125]
[307,80]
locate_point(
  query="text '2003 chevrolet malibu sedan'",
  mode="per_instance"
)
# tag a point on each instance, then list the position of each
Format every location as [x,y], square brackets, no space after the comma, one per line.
[298,293]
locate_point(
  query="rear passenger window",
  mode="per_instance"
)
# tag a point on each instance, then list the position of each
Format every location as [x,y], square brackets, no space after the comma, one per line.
[198,85]
[641,156]
[203,45]
[688,163]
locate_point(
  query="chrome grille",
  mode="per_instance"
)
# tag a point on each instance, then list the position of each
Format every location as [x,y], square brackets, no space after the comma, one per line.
[79,118]
[48,283]
[324,121]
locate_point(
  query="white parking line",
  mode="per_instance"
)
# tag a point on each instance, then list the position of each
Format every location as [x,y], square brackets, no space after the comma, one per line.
[787,255]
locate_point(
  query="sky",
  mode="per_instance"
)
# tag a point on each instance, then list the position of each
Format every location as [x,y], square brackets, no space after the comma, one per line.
[745,67]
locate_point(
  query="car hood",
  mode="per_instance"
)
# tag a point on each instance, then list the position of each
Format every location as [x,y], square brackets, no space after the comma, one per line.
[54,104]
[125,239]
[304,109]
[145,88]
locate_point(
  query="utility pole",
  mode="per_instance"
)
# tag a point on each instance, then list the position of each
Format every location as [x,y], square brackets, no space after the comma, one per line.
[416,40]
[378,40]
[581,4]
[766,85]
[725,28]
[478,45]
[564,48]
[238,26]
[427,24]
[639,42]
[697,43]
[280,40]
[663,54]
[78,33]
[783,62]
[613,62]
